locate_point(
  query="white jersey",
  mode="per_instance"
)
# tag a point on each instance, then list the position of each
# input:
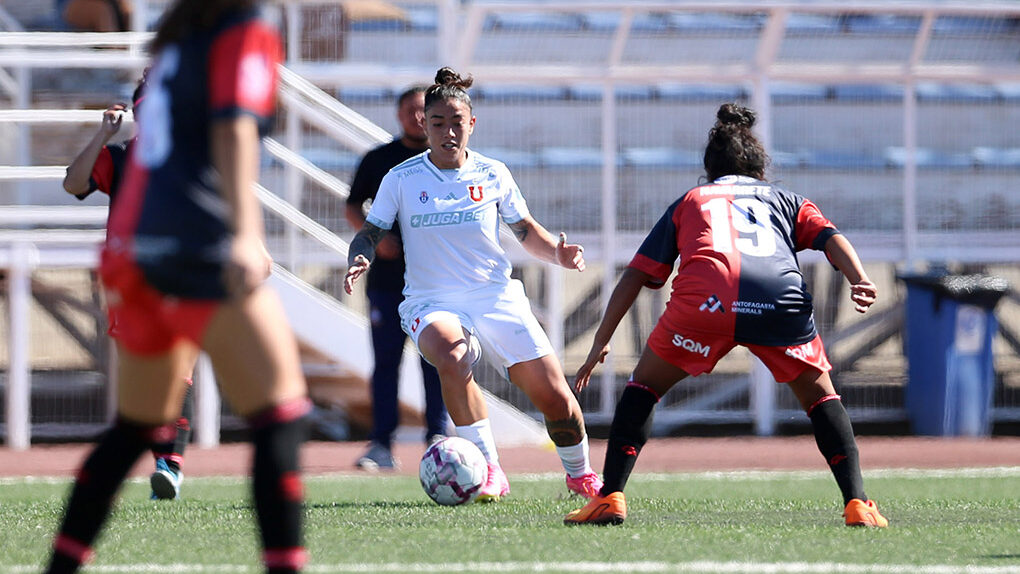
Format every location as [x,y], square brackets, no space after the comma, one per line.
[450,222]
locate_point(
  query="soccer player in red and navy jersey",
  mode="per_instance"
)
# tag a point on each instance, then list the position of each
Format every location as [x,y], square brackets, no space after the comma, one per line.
[100,166]
[184,267]
[738,283]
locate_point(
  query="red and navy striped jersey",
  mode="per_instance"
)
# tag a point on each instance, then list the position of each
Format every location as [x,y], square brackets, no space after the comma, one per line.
[737,239]
[108,170]
[172,216]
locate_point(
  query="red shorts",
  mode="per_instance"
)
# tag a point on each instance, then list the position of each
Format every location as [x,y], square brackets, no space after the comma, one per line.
[698,353]
[145,321]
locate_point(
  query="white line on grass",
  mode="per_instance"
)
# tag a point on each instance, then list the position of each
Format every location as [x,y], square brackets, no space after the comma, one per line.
[707,567]
[748,475]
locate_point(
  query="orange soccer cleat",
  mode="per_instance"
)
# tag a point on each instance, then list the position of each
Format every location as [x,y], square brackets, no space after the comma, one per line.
[860,513]
[600,510]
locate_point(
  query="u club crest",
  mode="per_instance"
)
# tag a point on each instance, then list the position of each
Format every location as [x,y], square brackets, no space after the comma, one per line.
[424,197]
[475,191]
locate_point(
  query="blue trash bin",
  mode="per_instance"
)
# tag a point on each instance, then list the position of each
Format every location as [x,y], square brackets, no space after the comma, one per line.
[950,324]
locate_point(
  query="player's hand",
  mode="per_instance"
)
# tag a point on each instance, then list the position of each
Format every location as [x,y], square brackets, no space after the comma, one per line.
[595,356]
[248,266]
[569,255]
[354,272]
[863,294]
[389,248]
[113,117]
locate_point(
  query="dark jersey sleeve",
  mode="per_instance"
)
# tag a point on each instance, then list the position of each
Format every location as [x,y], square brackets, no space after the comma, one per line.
[242,71]
[659,250]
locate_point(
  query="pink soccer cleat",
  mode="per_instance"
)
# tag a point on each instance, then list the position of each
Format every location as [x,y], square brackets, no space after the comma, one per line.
[587,485]
[496,486]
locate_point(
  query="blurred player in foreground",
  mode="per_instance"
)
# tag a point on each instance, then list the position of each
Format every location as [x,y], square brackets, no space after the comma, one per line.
[210,92]
[100,166]
[459,297]
[739,283]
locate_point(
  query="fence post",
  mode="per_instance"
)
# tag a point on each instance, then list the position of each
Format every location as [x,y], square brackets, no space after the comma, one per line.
[207,404]
[19,281]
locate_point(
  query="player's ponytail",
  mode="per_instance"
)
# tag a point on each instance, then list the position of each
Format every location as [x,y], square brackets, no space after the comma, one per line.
[732,148]
[449,86]
[188,15]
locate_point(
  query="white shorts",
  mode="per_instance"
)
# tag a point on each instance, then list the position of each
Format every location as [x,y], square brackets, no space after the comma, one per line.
[499,317]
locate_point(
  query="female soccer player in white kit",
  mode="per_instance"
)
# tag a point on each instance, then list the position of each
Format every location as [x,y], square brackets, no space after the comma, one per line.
[459,297]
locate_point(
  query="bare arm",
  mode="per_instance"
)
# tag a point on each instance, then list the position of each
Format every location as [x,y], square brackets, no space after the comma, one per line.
[361,253]
[626,291]
[76,180]
[537,241]
[842,254]
[235,155]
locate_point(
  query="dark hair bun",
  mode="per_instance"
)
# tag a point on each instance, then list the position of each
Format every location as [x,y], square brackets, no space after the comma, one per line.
[448,77]
[733,114]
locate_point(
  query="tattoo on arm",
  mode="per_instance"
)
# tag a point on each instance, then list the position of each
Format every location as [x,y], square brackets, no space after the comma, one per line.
[520,229]
[566,432]
[364,243]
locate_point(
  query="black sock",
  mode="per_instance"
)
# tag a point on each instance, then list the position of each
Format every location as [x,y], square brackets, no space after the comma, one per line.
[95,488]
[835,438]
[632,424]
[279,497]
[173,450]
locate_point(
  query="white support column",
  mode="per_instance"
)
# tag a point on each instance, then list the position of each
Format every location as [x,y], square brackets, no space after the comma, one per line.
[910,175]
[554,287]
[293,191]
[23,101]
[608,207]
[207,404]
[19,377]
[763,398]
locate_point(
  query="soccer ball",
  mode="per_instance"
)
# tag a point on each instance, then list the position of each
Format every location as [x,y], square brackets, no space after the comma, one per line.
[452,471]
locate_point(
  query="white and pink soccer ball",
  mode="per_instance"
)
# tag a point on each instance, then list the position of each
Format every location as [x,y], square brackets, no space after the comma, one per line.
[452,471]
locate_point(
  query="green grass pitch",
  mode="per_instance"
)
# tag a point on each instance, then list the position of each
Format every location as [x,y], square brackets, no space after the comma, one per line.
[941,522]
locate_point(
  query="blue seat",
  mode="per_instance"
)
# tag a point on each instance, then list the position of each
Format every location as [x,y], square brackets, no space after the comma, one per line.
[971,25]
[661,157]
[422,19]
[536,22]
[882,24]
[840,159]
[997,157]
[932,92]
[789,91]
[798,23]
[365,94]
[1009,91]
[868,92]
[714,22]
[925,157]
[570,157]
[513,158]
[593,92]
[527,93]
[700,92]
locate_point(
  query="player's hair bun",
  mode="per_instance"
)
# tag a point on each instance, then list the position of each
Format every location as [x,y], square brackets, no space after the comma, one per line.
[736,115]
[446,76]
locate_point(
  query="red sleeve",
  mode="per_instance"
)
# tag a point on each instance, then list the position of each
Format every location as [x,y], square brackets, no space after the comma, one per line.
[242,70]
[812,228]
[102,171]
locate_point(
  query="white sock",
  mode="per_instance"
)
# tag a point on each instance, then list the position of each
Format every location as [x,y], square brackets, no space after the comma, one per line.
[575,458]
[480,433]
